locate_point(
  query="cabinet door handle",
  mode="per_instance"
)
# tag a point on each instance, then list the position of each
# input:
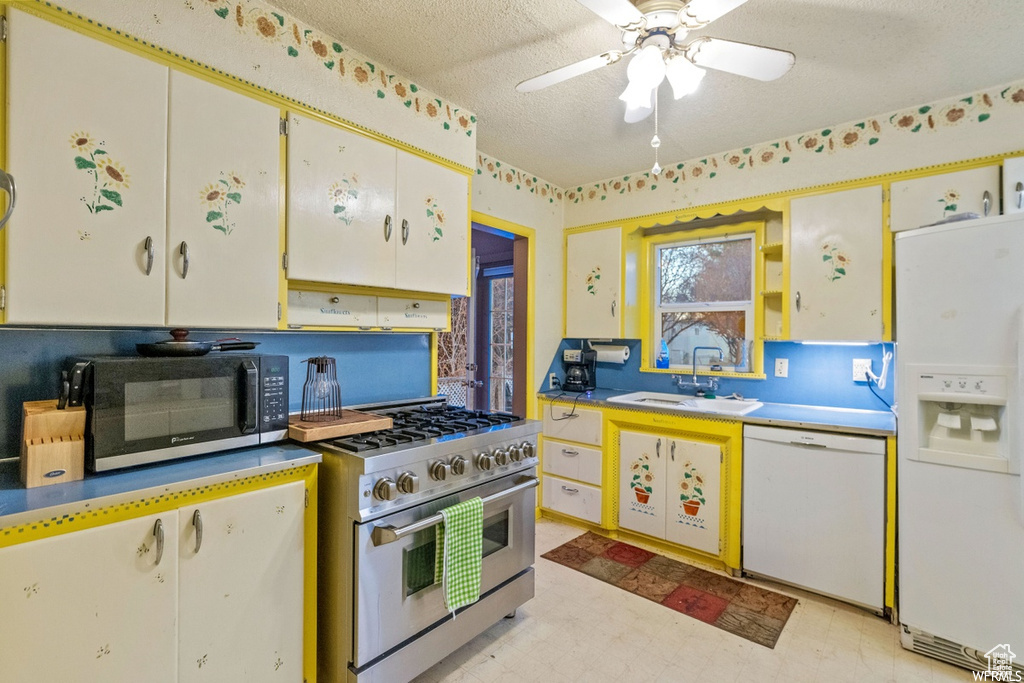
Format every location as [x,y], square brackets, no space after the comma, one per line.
[986,202]
[1020,195]
[7,184]
[183,250]
[158,532]
[149,254]
[613,309]
[798,302]
[197,522]
[405,231]
[566,451]
[657,448]
[673,451]
[570,416]
[387,228]
[569,490]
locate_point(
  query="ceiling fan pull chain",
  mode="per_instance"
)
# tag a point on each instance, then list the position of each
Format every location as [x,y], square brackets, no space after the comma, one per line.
[656,141]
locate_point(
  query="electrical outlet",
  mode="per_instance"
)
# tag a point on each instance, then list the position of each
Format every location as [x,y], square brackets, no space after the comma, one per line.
[782,367]
[552,381]
[861,367]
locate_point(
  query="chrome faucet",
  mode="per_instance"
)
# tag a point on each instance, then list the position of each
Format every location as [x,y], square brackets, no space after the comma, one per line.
[712,383]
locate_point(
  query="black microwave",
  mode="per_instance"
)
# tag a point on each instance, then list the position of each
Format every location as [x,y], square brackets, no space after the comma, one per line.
[144,410]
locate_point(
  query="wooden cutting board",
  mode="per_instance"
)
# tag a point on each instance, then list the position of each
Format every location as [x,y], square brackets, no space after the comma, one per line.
[351,422]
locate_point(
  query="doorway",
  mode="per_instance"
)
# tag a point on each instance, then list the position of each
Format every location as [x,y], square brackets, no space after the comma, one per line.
[482,361]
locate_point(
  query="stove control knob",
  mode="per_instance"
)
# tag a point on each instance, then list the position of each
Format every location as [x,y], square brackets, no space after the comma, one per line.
[484,461]
[440,470]
[529,450]
[408,482]
[458,465]
[515,453]
[501,456]
[385,489]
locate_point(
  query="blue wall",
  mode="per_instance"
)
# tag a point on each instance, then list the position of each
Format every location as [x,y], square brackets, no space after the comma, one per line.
[819,374]
[371,367]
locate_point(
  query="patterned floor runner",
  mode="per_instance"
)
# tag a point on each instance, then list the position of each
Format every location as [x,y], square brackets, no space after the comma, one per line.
[747,611]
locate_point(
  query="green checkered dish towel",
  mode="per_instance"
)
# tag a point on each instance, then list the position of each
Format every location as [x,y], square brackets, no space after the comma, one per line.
[459,553]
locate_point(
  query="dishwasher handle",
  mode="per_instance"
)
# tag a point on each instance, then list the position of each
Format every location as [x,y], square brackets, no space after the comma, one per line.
[809,444]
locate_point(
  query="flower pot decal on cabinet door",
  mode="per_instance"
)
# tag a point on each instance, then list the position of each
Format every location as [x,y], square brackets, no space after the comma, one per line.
[691,490]
[642,478]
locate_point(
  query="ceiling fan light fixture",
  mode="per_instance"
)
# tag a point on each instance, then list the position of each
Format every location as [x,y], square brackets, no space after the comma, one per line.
[638,113]
[647,68]
[683,75]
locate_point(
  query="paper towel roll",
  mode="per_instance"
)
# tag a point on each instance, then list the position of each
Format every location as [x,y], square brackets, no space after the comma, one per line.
[607,353]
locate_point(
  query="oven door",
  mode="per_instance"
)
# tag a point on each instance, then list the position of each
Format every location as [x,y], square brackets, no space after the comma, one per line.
[396,596]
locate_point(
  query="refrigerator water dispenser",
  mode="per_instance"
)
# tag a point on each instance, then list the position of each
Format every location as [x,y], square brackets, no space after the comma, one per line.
[962,417]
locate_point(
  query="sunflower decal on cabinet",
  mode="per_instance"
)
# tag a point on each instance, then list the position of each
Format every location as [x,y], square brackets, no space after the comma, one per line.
[435,215]
[835,260]
[592,279]
[218,196]
[343,195]
[110,178]
[691,490]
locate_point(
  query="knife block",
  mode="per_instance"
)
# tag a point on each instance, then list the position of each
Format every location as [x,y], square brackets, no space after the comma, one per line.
[52,448]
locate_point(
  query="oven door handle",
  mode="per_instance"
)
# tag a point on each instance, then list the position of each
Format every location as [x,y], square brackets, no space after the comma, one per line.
[387,534]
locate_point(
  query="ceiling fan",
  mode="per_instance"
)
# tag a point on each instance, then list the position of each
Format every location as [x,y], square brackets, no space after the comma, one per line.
[655,31]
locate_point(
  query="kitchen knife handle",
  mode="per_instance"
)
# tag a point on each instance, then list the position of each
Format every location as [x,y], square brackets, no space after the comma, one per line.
[387,228]
[149,254]
[197,522]
[405,231]
[158,532]
[183,250]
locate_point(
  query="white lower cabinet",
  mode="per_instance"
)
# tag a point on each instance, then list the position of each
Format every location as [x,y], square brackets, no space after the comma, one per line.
[572,461]
[167,597]
[572,498]
[670,488]
[240,585]
[94,605]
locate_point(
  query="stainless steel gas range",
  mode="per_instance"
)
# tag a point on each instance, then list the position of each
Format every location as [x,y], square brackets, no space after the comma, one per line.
[381,616]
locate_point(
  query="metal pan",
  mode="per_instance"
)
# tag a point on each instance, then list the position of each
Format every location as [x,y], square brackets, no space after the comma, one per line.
[179,346]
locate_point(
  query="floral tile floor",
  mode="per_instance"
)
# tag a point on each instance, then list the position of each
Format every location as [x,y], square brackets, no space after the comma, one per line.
[579,629]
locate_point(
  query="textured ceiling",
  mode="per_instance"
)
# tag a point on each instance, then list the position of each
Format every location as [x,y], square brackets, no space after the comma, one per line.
[854,58]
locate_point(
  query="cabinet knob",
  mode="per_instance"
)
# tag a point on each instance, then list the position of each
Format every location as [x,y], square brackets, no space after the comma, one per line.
[158,532]
[335,299]
[183,250]
[986,202]
[798,302]
[613,309]
[387,228]
[197,523]
[405,231]
[148,246]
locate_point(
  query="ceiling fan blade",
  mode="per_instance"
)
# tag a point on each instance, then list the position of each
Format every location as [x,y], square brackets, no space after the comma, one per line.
[699,13]
[742,59]
[569,71]
[620,13]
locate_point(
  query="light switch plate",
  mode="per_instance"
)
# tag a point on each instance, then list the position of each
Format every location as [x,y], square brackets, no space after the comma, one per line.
[861,367]
[782,367]
[552,381]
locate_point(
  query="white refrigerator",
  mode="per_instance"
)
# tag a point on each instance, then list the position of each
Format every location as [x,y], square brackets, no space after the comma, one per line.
[959,299]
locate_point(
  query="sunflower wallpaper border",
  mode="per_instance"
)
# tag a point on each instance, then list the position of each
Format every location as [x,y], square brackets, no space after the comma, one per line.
[977,108]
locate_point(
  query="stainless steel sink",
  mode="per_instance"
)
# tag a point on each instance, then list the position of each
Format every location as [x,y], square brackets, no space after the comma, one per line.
[717,406]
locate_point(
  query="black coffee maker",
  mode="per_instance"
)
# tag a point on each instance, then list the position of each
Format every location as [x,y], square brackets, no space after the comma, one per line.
[580,369]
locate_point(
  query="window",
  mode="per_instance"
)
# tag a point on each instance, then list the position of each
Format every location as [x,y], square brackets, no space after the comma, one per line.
[704,297]
[501,314]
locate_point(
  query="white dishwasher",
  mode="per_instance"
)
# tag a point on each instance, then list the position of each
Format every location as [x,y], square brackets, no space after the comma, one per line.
[814,511]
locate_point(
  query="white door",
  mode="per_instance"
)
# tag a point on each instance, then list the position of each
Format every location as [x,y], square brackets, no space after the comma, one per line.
[433,227]
[87,143]
[694,495]
[836,270]
[593,285]
[642,482]
[92,605]
[341,206]
[241,593]
[223,208]
[923,201]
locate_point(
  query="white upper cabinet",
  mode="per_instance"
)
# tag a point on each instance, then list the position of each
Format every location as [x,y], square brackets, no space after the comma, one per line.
[836,269]
[923,201]
[87,142]
[223,208]
[593,284]
[126,173]
[433,226]
[341,205]
[363,213]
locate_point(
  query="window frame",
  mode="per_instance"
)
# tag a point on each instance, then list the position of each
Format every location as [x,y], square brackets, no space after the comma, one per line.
[651,284]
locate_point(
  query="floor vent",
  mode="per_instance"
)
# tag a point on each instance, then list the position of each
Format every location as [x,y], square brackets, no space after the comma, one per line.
[946,650]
